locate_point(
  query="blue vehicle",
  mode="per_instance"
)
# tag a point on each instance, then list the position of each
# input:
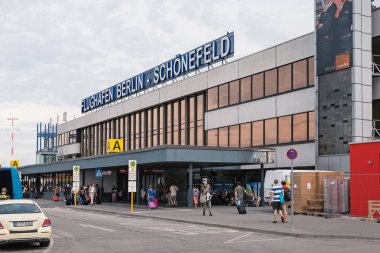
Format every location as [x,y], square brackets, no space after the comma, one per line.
[10,179]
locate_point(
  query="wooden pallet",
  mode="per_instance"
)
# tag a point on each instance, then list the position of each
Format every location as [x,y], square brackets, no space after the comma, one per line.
[317,214]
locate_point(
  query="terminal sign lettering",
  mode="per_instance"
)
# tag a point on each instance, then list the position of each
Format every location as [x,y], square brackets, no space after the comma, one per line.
[209,53]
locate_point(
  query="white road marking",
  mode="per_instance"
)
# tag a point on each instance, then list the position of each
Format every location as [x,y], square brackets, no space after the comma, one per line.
[90,226]
[237,238]
[191,229]
[164,211]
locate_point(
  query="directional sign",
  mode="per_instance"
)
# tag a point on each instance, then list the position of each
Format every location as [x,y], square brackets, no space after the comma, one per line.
[115,145]
[292,154]
[132,168]
[98,173]
[15,163]
[76,177]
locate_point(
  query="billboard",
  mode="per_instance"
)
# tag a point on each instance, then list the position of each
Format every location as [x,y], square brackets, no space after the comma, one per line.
[334,35]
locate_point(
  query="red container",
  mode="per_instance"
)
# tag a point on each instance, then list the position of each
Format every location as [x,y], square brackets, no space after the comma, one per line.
[365,176]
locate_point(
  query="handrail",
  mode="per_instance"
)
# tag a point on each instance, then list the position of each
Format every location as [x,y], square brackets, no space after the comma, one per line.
[376,65]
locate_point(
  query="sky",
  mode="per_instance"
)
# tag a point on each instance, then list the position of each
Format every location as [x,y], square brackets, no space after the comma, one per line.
[55,53]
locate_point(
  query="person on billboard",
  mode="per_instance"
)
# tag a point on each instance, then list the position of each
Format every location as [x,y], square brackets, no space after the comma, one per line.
[325,40]
[343,33]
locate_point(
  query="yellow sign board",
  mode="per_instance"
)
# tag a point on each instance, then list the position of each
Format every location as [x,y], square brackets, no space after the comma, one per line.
[115,145]
[15,163]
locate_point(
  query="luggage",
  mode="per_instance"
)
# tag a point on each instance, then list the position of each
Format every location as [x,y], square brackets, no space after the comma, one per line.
[153,204]
[241,207]
[68,202]
[56,198]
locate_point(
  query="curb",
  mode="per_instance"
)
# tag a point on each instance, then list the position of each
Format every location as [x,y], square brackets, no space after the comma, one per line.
[262,231]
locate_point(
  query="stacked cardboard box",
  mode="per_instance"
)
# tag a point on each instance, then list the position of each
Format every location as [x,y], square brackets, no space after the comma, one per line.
[304,190]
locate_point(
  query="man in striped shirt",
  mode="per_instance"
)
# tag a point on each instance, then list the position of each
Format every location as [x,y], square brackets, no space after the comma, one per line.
[275,195]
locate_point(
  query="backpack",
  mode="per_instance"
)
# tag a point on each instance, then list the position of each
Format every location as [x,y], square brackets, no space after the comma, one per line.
[288,194]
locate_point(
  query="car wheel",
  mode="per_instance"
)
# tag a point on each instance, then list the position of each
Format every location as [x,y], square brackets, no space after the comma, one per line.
[45,243]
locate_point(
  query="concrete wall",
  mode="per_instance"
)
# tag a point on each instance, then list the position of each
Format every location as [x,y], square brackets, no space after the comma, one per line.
[376,88]
[69,149]
[277,106]
[376,22]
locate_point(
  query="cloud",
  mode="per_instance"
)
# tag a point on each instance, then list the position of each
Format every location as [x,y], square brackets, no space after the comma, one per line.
[55,53]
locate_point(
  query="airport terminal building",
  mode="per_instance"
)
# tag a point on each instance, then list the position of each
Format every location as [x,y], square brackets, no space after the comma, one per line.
[203,115]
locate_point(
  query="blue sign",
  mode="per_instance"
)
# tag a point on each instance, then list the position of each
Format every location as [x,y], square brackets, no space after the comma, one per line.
[98,173]
[292,154]
[209,53]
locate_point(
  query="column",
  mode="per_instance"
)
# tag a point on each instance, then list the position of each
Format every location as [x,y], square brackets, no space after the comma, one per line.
[190,188]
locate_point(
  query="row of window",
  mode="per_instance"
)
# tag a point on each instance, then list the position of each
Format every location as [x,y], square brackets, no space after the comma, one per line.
[288,129]
[178,122]
[48,181]
[293,76]
[68,138]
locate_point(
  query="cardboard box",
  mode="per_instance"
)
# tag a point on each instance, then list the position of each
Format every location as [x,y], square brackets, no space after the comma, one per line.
[304,190]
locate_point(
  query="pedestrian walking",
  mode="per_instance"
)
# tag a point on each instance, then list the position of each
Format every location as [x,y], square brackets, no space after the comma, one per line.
[195,196]
[239,193]
[151,197]
[114,194]
[206,199]
[173,195]
[92,193]
[287,199]
[276,197]
[57,190]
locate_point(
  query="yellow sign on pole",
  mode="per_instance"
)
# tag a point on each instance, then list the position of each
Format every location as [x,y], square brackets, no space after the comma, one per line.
[15,163]
[115,145]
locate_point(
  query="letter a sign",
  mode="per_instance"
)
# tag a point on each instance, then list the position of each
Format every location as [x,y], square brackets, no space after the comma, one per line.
[15,163]
[115,145]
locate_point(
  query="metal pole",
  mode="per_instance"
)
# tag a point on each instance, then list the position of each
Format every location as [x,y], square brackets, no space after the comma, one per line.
[262,201]
[190,191]
[292,191]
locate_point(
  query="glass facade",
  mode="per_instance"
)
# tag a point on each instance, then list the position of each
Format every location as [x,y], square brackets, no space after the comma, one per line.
[283,130]
[179,122]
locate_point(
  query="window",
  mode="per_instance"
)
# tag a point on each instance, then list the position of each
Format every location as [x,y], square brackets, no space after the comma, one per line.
[137,130]
[311,71]
[234,90]
[285,129]
[270,82]
[223,95]
[183,122]
[285,78]
[258,85]
[223,137]
[300,127]
[245,135]
[155,121]
[192,121]
[169,133]
[161,125]
[142,130]
[149,128]
[126,133]
[212,98]
[299,74]
[271,131]
[175,123]
[311,125]
[234,136]
[246,89]
[133,129]
[200,112]
[212,138]
[257,133]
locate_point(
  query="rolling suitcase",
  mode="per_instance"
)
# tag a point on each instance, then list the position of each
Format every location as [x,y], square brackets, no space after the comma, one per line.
[241,207]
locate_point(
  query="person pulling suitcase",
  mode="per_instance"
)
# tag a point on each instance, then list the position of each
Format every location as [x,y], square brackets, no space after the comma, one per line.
[239,197]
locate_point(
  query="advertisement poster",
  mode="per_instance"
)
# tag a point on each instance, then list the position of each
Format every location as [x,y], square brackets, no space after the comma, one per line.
[334,35]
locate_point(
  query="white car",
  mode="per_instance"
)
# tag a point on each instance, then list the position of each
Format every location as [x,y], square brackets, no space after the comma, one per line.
[23,221]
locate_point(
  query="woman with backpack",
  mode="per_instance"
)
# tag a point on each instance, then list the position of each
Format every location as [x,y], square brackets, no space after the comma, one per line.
[287,199]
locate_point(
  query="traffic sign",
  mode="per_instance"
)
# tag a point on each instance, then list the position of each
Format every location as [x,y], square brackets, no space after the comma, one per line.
[292,154]
[132,168]
[98,173]
[15,163]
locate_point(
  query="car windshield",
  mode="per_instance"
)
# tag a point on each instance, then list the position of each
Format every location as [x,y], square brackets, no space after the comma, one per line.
[19,208]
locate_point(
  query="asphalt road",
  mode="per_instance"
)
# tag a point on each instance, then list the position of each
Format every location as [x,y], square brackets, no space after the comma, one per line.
[79,231]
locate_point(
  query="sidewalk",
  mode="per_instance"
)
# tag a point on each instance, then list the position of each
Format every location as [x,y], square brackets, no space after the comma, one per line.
[258,219]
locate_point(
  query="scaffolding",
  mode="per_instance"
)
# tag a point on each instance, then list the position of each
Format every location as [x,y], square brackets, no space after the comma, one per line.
[47,143]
